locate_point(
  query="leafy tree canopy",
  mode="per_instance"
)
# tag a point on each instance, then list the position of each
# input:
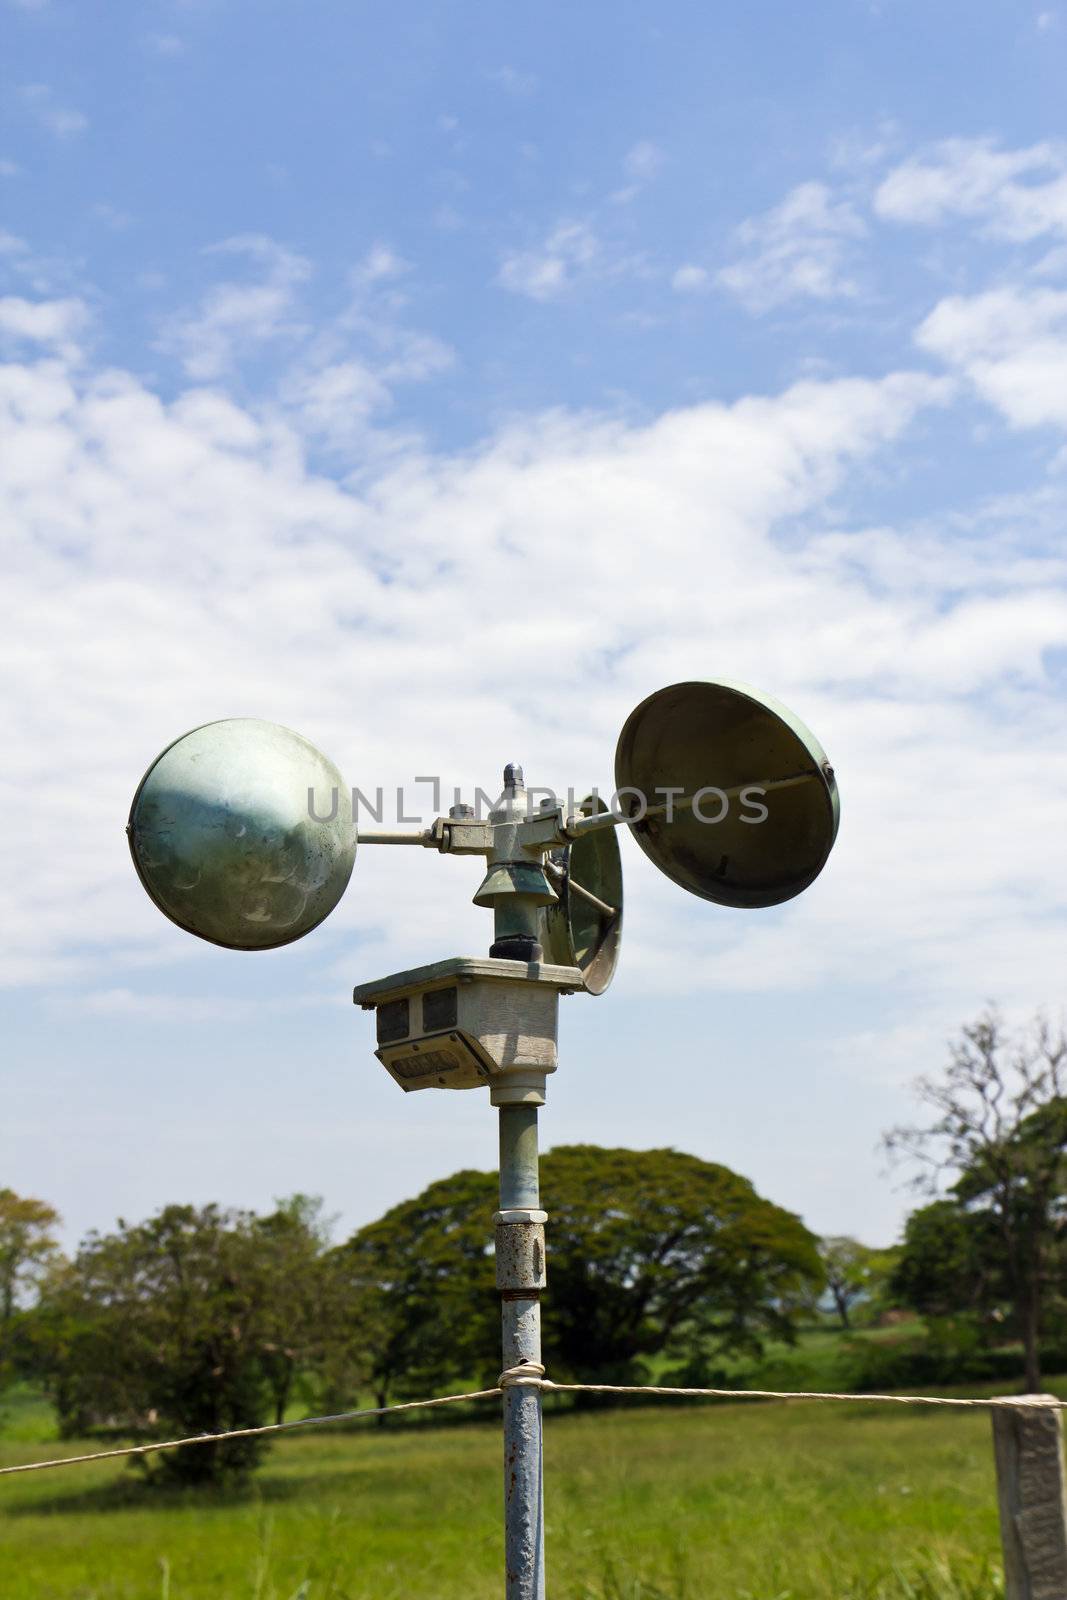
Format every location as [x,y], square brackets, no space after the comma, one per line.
[640,1243]
[949,1263]
[176,1325]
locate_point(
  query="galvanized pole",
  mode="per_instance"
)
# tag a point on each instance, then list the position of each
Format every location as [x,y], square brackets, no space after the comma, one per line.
[520,1276]
[520,1222]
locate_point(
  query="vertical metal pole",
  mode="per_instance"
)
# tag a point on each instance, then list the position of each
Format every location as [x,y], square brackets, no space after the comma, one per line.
[520,1267]
[520,1229]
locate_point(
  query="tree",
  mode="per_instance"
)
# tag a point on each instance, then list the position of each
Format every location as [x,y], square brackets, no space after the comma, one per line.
[855,1273]
[175,1324]
[297,1327]
[655,1250]
[419,1287]
[1000,1128]
[647,1250]
[949,1264]
[27,1245]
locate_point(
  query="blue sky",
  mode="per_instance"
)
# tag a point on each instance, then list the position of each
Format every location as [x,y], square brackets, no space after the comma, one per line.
[440,380]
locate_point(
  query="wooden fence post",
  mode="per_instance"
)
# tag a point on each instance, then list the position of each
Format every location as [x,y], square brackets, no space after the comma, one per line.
[1032,1497]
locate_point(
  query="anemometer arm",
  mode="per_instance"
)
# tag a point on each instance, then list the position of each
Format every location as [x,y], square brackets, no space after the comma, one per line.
[394,836]
[452,835]
[577,826]
[545,830]
[558,875]
[466,836]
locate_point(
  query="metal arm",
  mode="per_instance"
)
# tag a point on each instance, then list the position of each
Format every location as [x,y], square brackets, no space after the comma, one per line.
[576,826]
[561,877]
[450,835]
[394,836]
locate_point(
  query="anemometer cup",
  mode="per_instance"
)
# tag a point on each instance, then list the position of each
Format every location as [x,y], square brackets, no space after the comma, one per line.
[226,836]
[733,797]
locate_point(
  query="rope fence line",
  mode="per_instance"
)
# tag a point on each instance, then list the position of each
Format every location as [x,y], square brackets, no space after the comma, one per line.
[531,1375]
[249,1433]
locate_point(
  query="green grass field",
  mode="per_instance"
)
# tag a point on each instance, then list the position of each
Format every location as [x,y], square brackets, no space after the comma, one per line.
[743,1501]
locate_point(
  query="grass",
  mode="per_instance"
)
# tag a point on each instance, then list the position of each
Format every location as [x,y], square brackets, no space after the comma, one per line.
[731,1502]
[25,1414]
[822,1357]
[815,1361]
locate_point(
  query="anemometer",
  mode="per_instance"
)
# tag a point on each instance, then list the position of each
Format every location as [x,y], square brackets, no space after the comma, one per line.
[722,787]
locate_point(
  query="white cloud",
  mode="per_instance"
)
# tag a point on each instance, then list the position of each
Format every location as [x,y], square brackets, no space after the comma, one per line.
[48,322]
[690,279]
[1011,344]
[799,249]
[857,152]
[235,316]
[569,253]
[63,121]
[343,381]
[336,373]
[380,264]
[641,165]
[336,401]
[1017,195]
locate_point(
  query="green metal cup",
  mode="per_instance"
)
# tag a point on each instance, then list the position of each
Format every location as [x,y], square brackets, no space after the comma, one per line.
[773,793]
[241,831]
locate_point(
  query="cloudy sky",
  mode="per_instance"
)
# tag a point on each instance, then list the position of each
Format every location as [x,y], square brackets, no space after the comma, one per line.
[441,379]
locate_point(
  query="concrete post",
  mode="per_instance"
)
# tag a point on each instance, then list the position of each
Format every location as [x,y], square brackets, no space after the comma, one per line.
[1032,1498]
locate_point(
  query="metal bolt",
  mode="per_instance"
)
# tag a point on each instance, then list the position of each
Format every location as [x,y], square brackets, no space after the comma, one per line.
[513,778]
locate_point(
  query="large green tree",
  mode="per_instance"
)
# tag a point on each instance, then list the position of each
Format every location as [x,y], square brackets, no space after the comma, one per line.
[648,1248]
[192,1322]
[998,1131]
[647,1251]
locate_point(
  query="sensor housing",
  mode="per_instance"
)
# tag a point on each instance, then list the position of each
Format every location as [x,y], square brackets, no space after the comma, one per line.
[469,1021]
